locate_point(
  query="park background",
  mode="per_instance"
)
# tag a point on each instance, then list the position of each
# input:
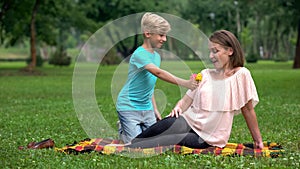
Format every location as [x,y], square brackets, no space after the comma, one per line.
[40,42]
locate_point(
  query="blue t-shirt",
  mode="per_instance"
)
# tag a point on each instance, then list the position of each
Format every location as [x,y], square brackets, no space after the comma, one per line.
[137,92]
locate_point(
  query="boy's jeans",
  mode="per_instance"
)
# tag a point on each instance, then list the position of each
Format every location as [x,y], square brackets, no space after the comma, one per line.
[134,122]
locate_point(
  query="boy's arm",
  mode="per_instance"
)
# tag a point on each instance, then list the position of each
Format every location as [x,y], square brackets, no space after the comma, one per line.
[251,120]
[157,113]
[168,77]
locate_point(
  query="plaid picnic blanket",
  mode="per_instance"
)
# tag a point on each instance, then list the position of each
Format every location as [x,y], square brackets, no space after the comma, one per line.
[111,146]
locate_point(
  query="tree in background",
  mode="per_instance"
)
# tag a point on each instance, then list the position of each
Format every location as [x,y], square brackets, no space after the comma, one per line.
[43,22]
[32,64]
[267,29]
[296,13]
[296,64]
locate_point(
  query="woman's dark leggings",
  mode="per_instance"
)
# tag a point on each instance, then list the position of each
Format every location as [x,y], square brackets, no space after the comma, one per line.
[169,131]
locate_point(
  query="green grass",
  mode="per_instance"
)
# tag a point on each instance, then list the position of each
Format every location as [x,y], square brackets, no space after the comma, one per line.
[24,53]
[14,53]
[33,108]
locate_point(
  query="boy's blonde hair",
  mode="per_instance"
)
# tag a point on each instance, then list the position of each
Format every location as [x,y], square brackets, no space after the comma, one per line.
[153,23]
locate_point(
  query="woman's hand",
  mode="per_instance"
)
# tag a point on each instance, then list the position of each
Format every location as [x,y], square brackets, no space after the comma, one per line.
[258,145]
[181,106]
[175,112]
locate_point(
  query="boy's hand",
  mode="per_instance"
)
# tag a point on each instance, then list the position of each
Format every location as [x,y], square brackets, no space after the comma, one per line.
[192,84]
[157,115]
[194,81]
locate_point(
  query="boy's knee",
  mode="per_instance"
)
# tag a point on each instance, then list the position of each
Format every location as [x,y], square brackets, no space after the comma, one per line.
[124,138]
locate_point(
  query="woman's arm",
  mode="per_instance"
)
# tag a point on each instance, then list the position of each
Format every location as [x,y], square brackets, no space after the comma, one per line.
[168,77]
[157,113]
[251,120]
[181,106]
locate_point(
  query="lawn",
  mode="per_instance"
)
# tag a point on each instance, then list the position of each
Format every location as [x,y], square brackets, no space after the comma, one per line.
[14,53]
[33,108]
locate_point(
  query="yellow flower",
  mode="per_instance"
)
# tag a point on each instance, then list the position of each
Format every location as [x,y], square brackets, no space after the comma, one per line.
[199,77]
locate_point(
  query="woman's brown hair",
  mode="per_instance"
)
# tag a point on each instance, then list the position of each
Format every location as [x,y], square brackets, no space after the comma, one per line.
[227,39]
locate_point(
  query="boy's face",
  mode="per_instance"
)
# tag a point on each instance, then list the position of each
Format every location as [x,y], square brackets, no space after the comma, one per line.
[156,40]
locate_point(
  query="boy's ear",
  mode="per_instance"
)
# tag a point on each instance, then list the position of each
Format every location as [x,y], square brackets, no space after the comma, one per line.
[147,34]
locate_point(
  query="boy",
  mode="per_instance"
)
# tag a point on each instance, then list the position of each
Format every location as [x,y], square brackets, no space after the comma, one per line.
[136,105]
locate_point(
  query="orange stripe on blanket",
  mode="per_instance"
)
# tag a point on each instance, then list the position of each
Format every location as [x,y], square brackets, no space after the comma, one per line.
[110,146]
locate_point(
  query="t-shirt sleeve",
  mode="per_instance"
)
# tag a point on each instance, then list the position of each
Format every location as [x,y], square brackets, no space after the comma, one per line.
[140,59]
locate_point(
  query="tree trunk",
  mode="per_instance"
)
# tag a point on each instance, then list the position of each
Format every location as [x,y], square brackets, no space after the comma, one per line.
[297,53]
[32,64]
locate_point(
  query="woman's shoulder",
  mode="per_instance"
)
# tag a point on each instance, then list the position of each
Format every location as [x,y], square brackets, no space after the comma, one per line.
[238,72]
[206,71]
[242,71]
[237,69]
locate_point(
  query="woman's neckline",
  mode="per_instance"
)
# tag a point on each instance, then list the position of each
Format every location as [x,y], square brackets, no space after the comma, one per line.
[216,76]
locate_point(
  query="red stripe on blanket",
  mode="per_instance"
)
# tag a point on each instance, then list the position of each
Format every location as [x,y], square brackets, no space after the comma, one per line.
[177,148]
[218,151]
[271,149]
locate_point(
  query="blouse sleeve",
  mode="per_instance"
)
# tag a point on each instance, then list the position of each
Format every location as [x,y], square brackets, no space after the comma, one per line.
[245,90]
[231,94]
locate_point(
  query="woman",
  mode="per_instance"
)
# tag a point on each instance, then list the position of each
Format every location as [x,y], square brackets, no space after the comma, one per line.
[204,116]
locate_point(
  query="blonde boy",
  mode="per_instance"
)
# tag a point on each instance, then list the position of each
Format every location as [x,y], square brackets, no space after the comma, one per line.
[136,104]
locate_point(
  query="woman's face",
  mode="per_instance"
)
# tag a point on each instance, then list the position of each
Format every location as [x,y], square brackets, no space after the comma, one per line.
[220,56]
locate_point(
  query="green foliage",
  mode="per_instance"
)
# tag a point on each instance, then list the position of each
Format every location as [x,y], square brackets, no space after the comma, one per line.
[272,25]
[60,58]
[281,57]
[111,58]
[246,39]
[39,61]
[251,58]
[15,21]
[39,107]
